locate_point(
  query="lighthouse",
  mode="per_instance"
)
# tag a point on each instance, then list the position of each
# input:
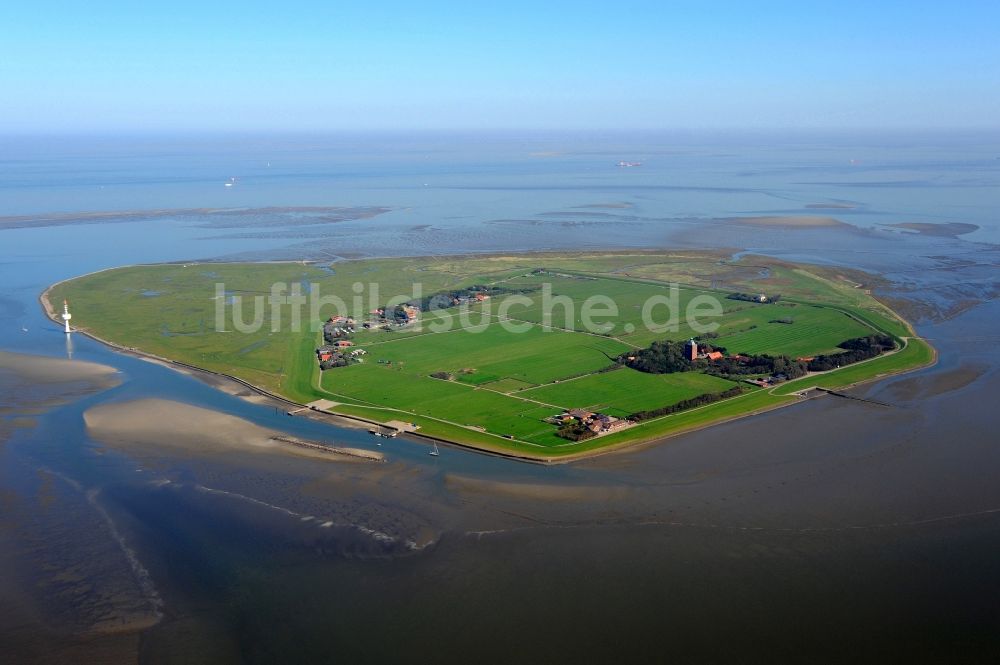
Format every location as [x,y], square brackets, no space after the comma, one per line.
[66,316]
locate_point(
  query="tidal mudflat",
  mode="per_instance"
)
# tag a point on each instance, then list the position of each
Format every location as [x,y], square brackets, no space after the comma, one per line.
[835,530]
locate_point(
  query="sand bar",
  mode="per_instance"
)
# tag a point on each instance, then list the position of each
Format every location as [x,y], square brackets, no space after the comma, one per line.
[944,230]
[44,369]
[534,491]
[176,426]
[789,221]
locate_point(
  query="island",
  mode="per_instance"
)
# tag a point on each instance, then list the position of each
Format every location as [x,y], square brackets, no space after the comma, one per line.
[545,357]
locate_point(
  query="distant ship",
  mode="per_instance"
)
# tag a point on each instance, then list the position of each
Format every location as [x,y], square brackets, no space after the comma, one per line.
[625,164]
[232,181]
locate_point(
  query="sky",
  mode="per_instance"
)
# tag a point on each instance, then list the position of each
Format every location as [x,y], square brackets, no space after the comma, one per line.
[216,65]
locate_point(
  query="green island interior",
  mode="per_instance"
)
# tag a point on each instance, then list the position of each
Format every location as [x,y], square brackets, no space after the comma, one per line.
[482,385]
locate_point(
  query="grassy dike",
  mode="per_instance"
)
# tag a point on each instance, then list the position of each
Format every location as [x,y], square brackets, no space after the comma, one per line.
[169,312]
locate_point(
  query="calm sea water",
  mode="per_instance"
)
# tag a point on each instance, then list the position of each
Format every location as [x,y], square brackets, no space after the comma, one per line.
[831,531]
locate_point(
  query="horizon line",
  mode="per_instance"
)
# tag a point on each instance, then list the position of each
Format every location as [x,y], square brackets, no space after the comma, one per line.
[555,131]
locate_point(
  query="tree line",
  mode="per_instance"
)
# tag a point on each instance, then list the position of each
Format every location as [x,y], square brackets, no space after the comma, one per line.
[666,357]
[754,297]
[575,431]
[685,404]
[728,366]
[855,350]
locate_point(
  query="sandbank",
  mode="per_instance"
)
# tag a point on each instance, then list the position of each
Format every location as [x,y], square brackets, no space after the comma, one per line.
[533,491]
[944,230]
[789,221]
[177,426]
[44,369]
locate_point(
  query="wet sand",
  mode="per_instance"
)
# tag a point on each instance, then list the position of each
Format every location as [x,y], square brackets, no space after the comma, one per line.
[529,491]
[44,369]
[784,511]
[789,221]
[831,206]
[612,205]
[837,531]
[215,217]
[944,230]
[914,388]
[195,430]
[231,386]
[31,385]
[830,519]
[76,602]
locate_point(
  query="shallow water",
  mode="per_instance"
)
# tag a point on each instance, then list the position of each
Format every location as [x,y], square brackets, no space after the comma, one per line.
[833,530]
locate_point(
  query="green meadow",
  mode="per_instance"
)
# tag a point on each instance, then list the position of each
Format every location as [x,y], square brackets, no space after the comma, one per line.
[626,391]
[497,385]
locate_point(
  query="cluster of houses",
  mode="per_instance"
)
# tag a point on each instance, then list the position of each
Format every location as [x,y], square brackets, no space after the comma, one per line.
[337,350]
[339,355]
[768,381]
[475,297]
[401,315]
[384,318]
[598,423]
[337,327]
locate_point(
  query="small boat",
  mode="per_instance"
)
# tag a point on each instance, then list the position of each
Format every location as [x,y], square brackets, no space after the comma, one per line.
[435,452]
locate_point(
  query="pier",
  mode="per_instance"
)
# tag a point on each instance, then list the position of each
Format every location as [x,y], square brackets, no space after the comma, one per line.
[855,398]
[350,452]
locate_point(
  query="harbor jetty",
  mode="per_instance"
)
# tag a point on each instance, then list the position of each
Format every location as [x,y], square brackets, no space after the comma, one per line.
[359,453]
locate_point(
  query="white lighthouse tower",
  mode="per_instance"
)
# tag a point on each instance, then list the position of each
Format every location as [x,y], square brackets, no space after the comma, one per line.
[66,316]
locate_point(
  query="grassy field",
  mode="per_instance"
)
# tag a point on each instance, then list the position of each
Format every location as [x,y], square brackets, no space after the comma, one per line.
[535,356]
[623,392]
[501,385]
[812,330]
[745,328]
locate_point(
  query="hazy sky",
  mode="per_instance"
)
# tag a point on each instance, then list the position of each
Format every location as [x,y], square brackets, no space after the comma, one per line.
[211,64]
